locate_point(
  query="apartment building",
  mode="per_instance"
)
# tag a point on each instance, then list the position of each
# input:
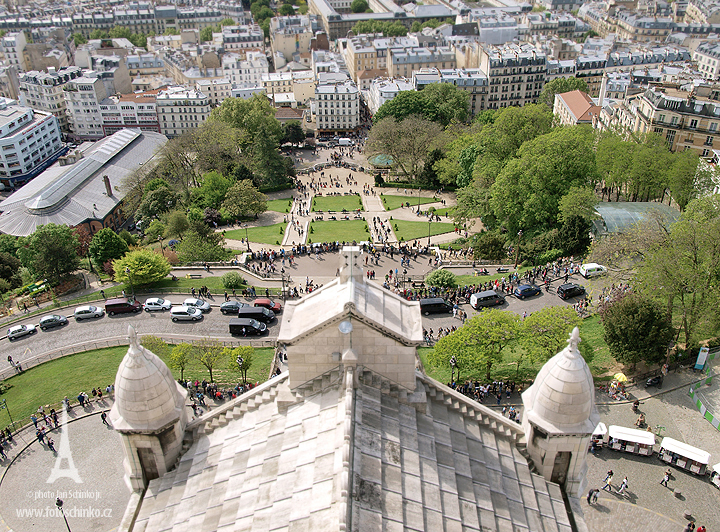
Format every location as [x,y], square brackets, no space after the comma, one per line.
[574,108]
[216,89]
[82,100]
[384,90]
[180,110]
[707,57]
[337,107]
[144,65]
[248,37]
[516,74]
[292,34]
[138,110]
[29,142]
[703,11]
[43,91]
[13,46]
[245,68]
[403,61]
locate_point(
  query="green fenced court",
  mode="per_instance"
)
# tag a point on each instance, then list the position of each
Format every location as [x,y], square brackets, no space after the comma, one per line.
[340,231]
[337,203]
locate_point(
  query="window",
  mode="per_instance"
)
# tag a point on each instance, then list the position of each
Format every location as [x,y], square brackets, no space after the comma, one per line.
[693,124]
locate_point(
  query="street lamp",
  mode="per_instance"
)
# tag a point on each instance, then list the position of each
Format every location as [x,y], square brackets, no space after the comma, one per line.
[453,363]
[247,241]
[59,504]
[429,223]
[240,361]
[162,250]
[129,275]
[282,276]
[517,252]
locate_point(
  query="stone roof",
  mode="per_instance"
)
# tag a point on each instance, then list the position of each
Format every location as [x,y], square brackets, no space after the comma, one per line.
[276,459]
[562,398]
[147,398]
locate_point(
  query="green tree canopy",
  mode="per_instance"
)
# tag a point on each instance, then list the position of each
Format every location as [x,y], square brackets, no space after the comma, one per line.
[388,29]
[479,343]
[212,191]
[210,353]
[232,354]
[181,356]
[635,329]
[293,132]
[442,277]
[286,10]
[244,200]
[199,244]
[559,86]
[438,102]
[10,269]
[251,117]
[51,252]
[359,6]
[106,245]
[157,202]
[144,266]
[580,202]
[545,331]
[176,224]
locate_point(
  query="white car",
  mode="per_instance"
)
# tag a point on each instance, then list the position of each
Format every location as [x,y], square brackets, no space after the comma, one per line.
[87,312]
[199,304]
[156,303]
[18,331]
[592,269]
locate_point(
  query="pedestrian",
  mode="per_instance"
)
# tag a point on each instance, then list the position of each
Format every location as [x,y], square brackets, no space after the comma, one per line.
[700,529]
[51,444]
[609,475]
[102,293]
[592,494]
[690,527]
[623,485]
[103,417]
[664,481]
[608,483]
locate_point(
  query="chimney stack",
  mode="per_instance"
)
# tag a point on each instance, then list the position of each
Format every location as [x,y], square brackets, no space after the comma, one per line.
[108,188]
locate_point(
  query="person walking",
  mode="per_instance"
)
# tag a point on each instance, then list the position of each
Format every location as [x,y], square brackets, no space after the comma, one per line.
[664,481]
[608,483]
[103,417]
[623,485]
[51,445]
[592,495]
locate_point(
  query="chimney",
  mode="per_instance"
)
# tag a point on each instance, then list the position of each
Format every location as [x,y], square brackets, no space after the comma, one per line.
[603,90]
[108,188]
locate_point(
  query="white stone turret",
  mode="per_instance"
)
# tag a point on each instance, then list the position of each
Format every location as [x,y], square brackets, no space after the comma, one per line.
[149,413]
[559,417]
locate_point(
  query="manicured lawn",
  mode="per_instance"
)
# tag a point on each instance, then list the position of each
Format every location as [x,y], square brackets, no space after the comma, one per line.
[395,202]
[444,211]
[407,230]
[339,230]
[593,348]
[48,383]
[337,203]
[268,234]
[279,205]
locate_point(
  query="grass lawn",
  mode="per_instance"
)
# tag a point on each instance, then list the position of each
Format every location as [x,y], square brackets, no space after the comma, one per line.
[279,205]
[48,383]
[407,230]
[593,348]
[445,211]
[338,230]
[337,203]
[267,234]
[395,202]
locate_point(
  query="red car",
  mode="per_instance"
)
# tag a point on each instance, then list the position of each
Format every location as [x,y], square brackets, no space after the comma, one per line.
[268,304]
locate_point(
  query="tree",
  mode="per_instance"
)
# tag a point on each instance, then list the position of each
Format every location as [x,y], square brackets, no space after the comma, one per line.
[232,355]
[210,354]
[141,268]
[107,245]
[200,246]
[9,244]
[580,202]
[206,34]
[156,345]
[479,343]
[10,270]
[575,235]
[84,238]
[635,329]
[171,31]
[688,179]
[181,357]
[78,39]
[544,332]
[407,142]
[489,245]
[293,132]
[438,102]
[286,10]
[129,239]
[155,230]
[429,177]
[157,202]
[176,224]
[51,251]
[248,116]
[388,29]
[359,6]
[212,191]
[244,200]
[443,278]
[559,86]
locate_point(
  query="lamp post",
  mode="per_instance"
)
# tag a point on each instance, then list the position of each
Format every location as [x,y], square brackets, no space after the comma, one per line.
[162,250]
[59,504]
[247,241]
[453,363]
[240,361]
[429,224]
[129,275]
[517,252]
[282,276]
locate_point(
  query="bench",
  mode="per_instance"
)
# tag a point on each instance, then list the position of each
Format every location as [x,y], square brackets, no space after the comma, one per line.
[193,276]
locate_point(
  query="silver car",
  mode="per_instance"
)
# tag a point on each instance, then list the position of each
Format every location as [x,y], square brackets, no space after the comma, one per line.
[18,331]
[156,303]
[204,306]
[184,313]
[88,312]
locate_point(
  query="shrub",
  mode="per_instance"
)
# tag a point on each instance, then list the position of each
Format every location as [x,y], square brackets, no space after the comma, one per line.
[379,181]
[442,278]
[550,255]
[233,280]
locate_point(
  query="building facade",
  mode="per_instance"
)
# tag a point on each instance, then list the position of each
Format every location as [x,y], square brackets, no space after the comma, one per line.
[43,91]
[82,100]
[138,110]
[180,110]
[516,74]
[337,107]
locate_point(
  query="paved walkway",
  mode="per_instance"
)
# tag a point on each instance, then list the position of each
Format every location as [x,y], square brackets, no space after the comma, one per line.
[612,515]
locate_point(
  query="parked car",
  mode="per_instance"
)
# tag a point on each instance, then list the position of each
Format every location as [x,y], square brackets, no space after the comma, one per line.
[232,307]
[199,304]
[592,269]
[245,326]
[122,305]
[488,298]
[53,320]
[566,291]
[268,304]
[434,305]
[657,380]
[183,313]
[88,312]
[526,290]
[156,303]
[18,331]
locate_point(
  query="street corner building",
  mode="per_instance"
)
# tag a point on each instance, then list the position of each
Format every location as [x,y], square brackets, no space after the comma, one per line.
[353,436]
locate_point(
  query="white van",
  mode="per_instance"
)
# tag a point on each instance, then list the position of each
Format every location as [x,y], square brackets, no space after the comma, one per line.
[592,269]
[345,142]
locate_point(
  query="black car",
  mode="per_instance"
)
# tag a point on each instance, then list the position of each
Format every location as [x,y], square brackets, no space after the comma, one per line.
[231,307]
[51,321]
[657,380]
[526,290]
[566,291]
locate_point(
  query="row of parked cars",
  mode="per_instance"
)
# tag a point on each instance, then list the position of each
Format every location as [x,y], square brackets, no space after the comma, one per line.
[491,298]
[249,318]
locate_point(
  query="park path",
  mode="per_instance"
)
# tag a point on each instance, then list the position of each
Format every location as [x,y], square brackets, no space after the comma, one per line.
[374,207]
